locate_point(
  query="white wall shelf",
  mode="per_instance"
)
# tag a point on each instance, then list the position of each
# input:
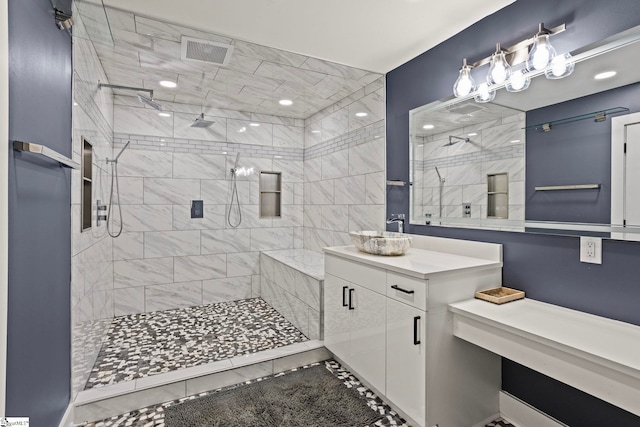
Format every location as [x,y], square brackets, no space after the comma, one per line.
[597,355]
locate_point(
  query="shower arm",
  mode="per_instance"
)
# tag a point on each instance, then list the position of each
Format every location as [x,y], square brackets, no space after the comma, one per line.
[137,89]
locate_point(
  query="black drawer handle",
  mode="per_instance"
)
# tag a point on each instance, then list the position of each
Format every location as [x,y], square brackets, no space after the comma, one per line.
[416,338]
[398,288]
[344,296]
[351,291]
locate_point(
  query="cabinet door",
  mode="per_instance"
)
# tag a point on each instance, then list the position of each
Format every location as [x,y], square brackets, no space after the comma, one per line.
[367,335]
[336,316]
[406,359]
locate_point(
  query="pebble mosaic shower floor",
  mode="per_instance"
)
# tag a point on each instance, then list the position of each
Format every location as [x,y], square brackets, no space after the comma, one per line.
[145,344]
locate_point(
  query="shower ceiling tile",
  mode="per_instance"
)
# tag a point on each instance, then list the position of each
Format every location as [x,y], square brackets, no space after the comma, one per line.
[120,20]
[146,51]
[270,54]
[163,30]
[296,75]
[333,69]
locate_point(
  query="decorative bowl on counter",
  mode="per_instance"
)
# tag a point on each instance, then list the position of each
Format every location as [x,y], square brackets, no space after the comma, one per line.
[381,242]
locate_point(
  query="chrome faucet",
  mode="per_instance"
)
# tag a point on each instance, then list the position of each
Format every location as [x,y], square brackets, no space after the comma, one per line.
[399,218]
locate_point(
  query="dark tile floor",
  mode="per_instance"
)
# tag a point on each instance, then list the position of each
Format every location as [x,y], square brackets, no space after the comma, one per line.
[146,344]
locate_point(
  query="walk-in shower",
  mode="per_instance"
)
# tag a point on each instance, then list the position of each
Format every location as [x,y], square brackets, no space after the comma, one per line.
[234,196]
[114,177]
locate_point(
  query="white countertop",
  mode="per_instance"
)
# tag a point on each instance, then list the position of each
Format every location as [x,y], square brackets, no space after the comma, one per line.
[418,263]
[587,335]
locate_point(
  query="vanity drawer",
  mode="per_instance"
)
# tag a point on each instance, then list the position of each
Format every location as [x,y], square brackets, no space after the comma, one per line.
[364,275]
[407,290]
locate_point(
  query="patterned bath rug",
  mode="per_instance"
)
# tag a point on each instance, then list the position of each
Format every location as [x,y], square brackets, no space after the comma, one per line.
[311,397]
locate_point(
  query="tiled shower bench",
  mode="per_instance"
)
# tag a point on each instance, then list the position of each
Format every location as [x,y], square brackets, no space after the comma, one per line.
[291,281]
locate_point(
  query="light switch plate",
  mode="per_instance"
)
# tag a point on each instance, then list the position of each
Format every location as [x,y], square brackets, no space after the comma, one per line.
[591,249]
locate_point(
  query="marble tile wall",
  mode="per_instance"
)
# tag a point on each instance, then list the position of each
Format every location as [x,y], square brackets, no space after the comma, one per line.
[91,262]
[344,169]
[498,147]
[165,259]
[291,281]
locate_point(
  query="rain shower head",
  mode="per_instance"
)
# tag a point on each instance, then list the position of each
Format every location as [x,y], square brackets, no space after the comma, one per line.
[200,122]
[150,102]
[452,142]
[147,100]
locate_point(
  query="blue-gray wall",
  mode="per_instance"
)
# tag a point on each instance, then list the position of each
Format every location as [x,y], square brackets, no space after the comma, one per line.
[546,267]
[573,153]
[38,359]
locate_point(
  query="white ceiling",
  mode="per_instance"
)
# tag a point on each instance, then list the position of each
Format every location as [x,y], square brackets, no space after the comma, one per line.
[374,35]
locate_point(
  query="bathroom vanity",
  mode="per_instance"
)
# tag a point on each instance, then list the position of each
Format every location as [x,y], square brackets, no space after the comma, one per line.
[386,319]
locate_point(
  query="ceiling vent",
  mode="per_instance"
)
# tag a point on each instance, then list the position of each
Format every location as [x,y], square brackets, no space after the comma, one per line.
[206,51]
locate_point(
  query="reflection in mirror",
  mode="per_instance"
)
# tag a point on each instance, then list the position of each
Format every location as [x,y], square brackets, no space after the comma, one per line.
[524,141]
[468,164]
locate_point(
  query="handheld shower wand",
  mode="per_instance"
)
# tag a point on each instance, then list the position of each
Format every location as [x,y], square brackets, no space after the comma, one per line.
[114,174]
[234,195]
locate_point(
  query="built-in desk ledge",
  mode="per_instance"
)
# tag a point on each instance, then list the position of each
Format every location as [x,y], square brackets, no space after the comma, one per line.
[597,355]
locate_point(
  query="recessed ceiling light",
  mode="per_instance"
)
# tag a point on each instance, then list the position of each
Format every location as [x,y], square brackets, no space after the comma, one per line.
[315,131]
[361,114]
[164,114]
[254,124]
[286,102]
[605,75]
[472,134]
[168,83]
[428,127]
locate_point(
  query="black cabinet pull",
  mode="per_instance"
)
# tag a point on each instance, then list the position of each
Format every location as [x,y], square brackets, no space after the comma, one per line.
[416,338]
[398,288]
[344,296]
[351,291]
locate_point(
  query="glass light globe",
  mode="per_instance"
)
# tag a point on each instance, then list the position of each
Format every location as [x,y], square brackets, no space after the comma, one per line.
[518,82]
[541,54]
[499,71]
[485,93]
[561,66]
[464,85]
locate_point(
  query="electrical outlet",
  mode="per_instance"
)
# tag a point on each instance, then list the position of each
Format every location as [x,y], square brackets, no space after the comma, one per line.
[591,249]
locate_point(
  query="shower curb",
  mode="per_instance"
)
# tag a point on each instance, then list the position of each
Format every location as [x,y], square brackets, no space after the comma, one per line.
[108,401]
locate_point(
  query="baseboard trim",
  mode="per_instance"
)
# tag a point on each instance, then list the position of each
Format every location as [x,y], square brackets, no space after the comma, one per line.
[521,414]
[67,418]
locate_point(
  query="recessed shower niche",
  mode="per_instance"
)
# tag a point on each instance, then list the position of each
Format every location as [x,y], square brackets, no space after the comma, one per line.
[87,163]
[270,194]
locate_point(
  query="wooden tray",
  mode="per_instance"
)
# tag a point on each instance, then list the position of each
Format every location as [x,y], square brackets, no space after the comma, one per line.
[500,295]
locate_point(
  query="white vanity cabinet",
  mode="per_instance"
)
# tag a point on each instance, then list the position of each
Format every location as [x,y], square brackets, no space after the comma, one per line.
[386,320]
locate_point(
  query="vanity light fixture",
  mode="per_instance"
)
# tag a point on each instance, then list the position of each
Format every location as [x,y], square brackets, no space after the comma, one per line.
[605,75]
[285,102]
[168,83]
[514,66]
[428,127]
[542,53]
[518,81]
[485,93]
[500,70]
[465,84]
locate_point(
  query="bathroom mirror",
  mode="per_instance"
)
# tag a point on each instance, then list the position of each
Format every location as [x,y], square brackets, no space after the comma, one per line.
[538,160]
